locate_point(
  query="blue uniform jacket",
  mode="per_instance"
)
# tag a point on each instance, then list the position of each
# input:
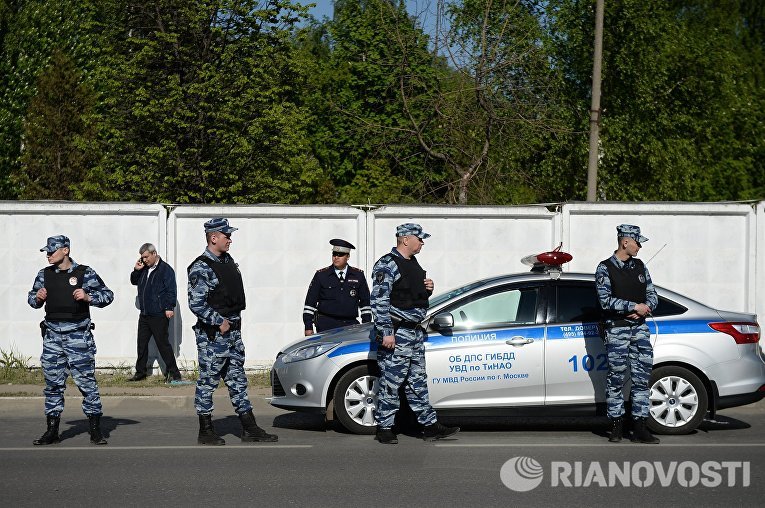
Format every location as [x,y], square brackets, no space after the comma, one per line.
[157,291]
[326,295]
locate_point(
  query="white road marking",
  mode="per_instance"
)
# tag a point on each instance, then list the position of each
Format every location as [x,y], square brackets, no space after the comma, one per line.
[593,445]
[182,447]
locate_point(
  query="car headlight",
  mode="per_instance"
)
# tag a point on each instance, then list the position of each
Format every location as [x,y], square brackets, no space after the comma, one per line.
[308,351]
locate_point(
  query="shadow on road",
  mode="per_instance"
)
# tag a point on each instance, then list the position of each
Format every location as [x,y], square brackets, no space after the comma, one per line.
[598,426]
[302,421]
[406,423]
[108,424]
[723,423]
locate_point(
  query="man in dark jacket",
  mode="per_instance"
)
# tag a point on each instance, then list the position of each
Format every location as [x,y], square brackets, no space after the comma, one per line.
[156,298]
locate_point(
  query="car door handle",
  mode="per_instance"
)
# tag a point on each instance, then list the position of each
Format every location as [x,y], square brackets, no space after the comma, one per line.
[518,341]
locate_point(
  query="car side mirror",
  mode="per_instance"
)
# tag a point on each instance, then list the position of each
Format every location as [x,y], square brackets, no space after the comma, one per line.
[443,320]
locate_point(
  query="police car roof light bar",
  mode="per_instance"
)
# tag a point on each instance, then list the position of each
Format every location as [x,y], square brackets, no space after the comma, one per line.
[548,262]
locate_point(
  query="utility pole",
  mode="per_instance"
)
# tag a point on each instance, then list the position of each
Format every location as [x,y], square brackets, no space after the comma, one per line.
[592,165]
[437,33]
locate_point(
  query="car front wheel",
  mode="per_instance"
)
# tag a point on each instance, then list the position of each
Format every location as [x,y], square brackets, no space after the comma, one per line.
[678,401]
[355,400]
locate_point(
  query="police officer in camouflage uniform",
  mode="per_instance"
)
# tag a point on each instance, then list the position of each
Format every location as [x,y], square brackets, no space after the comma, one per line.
[400,292]
[337,293]
[68,289]
[627,296]
[216,297]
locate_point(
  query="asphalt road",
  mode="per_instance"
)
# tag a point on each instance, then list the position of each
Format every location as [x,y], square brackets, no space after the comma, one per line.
[153,459]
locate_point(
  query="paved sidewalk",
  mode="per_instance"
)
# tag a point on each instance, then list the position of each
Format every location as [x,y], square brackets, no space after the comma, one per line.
[15,400]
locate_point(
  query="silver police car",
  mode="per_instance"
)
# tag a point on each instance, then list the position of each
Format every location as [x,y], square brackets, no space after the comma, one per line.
[529,344]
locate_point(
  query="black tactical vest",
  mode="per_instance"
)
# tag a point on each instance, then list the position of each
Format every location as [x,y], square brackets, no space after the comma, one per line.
[409,290]
[60,305]
[228,296]
[628,283]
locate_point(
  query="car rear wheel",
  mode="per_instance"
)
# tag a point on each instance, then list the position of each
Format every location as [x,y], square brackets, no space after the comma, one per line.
[355,400]
[678,401]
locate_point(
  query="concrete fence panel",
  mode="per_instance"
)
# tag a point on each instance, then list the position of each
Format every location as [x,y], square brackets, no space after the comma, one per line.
[105,236]
[713,252]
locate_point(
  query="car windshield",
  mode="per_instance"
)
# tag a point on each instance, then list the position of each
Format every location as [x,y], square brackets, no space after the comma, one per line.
[437,300]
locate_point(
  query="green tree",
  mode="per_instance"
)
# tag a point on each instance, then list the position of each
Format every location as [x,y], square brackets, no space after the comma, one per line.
[750,32]
[682,114]
[205,107]
[491,104]
[58,134]
[360,133]
[30,30]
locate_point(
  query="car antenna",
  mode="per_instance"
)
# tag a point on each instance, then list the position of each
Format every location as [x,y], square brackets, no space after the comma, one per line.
[657,253]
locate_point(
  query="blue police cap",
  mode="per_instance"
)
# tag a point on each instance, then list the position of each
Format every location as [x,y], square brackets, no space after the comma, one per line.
[339,245]
[630,231]
[56,242]
[219,225]
[411,229]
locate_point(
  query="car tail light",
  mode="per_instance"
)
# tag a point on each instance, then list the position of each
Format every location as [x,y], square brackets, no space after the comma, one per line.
[742,333]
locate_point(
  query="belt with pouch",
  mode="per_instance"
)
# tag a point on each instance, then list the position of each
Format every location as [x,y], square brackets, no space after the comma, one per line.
[211,330]
[402,323]
[616,323]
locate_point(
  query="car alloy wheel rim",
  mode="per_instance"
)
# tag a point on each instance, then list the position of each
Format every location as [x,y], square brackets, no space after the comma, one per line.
[360,400]
[674,401]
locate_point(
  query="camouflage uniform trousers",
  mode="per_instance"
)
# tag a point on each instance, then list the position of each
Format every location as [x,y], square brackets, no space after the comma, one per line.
[628,347]
[222,357]
[404,365]
[64,353]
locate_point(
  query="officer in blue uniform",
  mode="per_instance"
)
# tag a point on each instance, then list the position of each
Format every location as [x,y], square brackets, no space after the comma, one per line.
[337,293]
[400,292]
[216,297]
[627,296]
[68,289]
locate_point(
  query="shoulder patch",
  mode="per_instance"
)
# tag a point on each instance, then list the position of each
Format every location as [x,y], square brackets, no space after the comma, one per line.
[205,261]
[380,276]
[193,280]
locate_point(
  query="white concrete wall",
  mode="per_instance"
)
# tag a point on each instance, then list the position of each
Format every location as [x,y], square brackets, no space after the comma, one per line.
[278,249]
[757,277]
[705,251]
[714,253]
[103,236]
[467,243]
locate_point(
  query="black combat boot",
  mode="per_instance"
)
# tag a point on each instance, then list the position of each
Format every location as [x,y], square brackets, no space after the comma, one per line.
[640,433]
[51,435]
[94,425]
[251,432]
[437,431]
[616,430]
[207,435]
[386,436]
